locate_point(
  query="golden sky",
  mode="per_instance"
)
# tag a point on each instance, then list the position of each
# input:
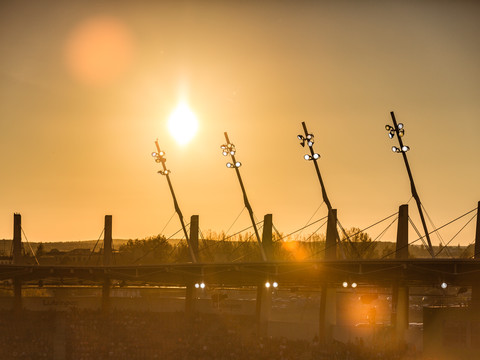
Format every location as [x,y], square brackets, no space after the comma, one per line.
[87,86]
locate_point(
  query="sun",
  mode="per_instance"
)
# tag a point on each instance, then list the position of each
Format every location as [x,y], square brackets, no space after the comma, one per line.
[182,124]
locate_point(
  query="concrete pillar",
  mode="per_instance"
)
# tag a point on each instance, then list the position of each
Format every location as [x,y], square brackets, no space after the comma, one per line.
[263,308]
[17,239]
[107,241]
[190,296]
[400,292]
[107,258]
[328,311]
[331,241]
[476,286]
[194,229]
[267,236]
[17,260]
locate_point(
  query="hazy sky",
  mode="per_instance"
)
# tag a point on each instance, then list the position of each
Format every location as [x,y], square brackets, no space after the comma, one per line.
[87,86]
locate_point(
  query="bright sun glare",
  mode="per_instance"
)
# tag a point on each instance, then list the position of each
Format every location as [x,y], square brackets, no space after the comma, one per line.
[182,124]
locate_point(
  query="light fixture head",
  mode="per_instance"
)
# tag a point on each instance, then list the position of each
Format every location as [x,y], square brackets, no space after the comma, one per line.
[401,132]
[275,284]
[238,164]
[310,136]
[307,157]
[161,153]
[405,148]
[345,284]
[400,126]
[202,285]
[310,143]
[197,285]
[154,154]
[229,165]
[224,153]
[232,152]
[395,149]
[300,137]
[267,284]
[390,135]
[316,156]
[444,285]
[388,127]
[354,285]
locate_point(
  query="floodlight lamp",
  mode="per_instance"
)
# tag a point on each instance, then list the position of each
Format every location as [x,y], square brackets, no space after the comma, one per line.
[275,284]
[161,153]
[316,156]
[307,157]
[224,153]
[310,136]
[345,284]
[154,154]
[300,137]
[229,165]
[443,285]
[405,148]
[401,132]
[232,152]
[310,143]
[267,284]
[388,127]
[197,285]
[400,126]
[390,135]
[354,285]
[395,149]
[238,164]
[202,285]
[223,147]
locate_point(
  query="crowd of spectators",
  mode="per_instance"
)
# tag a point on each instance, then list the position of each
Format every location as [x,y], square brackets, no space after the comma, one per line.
[87,334]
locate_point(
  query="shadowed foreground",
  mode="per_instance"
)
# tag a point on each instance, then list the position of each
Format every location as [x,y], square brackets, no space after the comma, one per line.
[146,335]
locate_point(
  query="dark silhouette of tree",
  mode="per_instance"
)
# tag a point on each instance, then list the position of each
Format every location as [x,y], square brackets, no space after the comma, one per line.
[358,245]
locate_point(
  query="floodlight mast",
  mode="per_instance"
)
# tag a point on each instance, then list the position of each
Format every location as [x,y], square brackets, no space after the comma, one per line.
[160,156]
[314,158]
[403,149]
[236,165]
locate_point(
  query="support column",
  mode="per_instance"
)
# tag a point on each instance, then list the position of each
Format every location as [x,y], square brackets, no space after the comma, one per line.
[17,260]
[107,258]
[328,312]
[263,309]
[475,304]
[400,292]
[190,294]
[267,236]
[190,291]
[194,229]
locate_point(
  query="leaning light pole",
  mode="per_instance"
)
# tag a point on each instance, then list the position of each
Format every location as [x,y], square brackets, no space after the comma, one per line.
[399,129]
[160,158]
[308,139]
[229,149]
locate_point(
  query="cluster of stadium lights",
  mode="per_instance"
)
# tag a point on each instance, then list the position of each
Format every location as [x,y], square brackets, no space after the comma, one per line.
[391,133]
[309,141]
[230,149]
[200,285]
[353,284]
[160,158]
[273,284]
